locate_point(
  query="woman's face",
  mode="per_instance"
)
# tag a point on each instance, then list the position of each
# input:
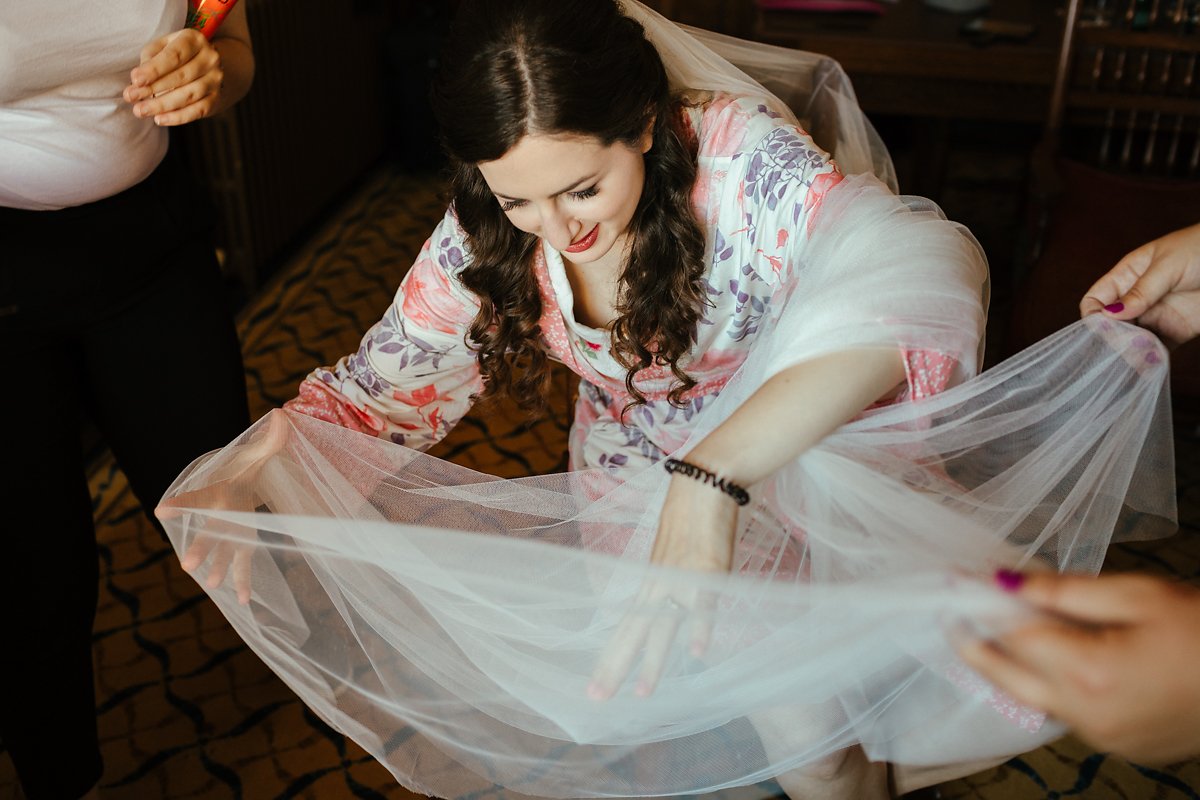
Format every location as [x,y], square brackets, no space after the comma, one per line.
[572,191]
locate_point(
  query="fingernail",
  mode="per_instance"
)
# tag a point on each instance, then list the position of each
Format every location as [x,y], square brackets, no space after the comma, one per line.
[1115,308]
[642,689]
[1009,580]
[595,691]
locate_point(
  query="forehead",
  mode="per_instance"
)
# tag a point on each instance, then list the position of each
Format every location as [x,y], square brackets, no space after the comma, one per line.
[541,165]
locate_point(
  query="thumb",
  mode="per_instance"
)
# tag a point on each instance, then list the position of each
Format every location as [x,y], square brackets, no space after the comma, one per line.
[1145,294]
[1135,285]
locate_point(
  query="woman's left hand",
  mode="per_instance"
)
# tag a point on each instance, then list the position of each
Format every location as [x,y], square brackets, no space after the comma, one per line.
[178,81]
[696,531]
[1115,659]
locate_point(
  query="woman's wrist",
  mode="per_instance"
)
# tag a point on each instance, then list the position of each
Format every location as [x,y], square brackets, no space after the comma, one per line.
[691,470]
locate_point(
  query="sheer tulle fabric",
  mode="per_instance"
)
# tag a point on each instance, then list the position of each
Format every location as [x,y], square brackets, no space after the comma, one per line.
[450,622]
[807,88]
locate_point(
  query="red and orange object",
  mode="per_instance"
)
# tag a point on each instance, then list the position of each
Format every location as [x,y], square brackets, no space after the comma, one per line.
[207,15]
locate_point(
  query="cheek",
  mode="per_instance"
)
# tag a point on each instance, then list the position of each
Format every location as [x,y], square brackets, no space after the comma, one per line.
[620,205]
[523,220]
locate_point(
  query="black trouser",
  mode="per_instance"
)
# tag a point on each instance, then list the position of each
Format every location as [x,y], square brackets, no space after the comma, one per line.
[114,310]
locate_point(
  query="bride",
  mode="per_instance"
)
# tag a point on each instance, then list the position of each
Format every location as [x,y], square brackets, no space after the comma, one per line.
[786,478]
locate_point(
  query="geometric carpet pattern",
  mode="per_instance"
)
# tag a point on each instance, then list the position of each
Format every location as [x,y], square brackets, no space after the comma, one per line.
[186,711]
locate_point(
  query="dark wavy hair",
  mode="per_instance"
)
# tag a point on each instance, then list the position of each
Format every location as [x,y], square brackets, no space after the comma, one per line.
[514,68]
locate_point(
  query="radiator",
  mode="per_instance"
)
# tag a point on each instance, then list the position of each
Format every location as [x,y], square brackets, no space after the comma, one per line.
[310,126]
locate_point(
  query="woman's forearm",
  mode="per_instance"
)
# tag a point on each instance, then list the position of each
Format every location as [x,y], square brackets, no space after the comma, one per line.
[795,410]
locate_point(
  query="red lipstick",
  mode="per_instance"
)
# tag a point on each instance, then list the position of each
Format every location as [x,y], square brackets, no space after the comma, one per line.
[586,242]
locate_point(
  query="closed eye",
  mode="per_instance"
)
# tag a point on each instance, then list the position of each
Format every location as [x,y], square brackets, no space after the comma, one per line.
[582,194]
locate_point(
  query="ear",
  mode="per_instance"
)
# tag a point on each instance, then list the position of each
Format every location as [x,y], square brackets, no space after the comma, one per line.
[647,140]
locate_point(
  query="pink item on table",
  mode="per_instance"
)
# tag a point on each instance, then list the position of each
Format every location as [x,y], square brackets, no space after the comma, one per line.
[852,6]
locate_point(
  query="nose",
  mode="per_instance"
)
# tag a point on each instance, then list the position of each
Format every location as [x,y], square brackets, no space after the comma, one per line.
[558,228]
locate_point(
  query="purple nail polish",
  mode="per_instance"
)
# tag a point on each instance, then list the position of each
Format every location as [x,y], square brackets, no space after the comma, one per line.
[1009,580]
[1115,308]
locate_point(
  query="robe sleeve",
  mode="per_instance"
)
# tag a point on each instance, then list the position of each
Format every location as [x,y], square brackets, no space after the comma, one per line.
[413,375]
[785,179]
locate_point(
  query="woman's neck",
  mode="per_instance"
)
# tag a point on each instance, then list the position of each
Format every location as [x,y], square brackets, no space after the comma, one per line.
[596,286]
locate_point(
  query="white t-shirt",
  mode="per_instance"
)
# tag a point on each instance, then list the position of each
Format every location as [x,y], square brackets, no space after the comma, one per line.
[66,135]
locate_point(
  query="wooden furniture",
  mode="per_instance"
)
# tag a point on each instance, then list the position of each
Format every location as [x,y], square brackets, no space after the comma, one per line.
[914,65]
[1119,164]
[914,60]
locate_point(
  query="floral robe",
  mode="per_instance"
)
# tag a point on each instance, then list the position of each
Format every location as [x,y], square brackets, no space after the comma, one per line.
[759,186]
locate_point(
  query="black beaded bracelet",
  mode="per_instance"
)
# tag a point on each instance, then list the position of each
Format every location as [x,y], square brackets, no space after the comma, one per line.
[740,495]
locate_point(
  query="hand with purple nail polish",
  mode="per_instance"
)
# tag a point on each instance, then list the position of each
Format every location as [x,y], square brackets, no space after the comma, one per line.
[1157,285]
[1113,657]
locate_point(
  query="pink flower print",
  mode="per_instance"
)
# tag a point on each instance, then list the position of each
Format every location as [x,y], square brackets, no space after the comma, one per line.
[820,186]
[421,397]
[776,261]
[590,349]
[429,302]
[725,123]
[326,403]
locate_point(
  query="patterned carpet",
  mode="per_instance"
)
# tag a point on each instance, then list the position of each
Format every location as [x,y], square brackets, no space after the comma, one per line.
[186,711]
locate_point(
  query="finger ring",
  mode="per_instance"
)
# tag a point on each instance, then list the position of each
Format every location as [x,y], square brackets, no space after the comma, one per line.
[674,605]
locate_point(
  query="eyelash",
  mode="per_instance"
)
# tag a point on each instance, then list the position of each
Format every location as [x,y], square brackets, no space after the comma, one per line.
[582,194]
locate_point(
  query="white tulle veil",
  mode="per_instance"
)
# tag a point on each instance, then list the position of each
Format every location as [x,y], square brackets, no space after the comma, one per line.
[809,88]
[450,622]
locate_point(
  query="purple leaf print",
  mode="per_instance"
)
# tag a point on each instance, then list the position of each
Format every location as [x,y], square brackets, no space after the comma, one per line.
[722,249]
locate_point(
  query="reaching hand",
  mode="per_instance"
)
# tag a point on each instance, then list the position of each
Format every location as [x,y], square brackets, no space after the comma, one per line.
[1157,284]
[230,546]
[1116,659]
[178,80]
[695,532]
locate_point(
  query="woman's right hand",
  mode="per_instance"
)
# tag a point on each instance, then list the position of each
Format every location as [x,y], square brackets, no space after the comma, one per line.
[1158,285]
[230,546]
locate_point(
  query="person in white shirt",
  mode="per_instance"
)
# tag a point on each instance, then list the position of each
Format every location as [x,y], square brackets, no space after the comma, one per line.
[111,307]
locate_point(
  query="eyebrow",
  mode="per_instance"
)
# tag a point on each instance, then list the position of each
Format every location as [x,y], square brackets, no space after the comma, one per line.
[572,187]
